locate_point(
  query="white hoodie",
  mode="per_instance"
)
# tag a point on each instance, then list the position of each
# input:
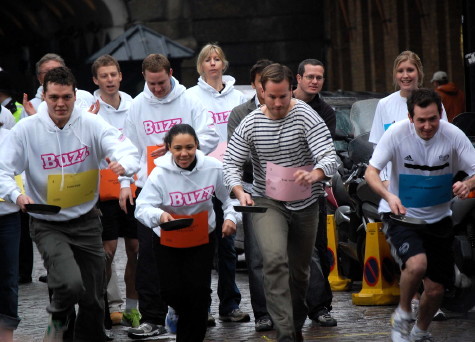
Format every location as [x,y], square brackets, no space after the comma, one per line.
[6,207]
[219,104]
[7,118]
[174,190]
[37,99]
[150,118]
[115,117]
[38,147]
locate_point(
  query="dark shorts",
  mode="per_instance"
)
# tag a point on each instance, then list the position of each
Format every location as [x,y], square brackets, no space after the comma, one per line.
[435,240]
[117,223]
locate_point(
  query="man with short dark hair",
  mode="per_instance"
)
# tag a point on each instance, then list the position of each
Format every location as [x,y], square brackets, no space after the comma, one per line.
[310,80]
[263,321]
[60,149]
[452,96]
[290,146]
[425,153]
[117,208]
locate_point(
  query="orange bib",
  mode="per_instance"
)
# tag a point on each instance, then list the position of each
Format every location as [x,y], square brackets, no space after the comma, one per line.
[109,186]
[150,159]
[192,236]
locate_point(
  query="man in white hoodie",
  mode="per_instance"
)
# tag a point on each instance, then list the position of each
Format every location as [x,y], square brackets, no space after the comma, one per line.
[60,150]
[162,104]
[117,206]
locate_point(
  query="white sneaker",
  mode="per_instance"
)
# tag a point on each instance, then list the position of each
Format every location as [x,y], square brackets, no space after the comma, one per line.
[424,337]
[399,328]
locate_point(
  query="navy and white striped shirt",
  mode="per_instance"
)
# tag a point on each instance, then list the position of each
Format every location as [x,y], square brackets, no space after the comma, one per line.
[300,138]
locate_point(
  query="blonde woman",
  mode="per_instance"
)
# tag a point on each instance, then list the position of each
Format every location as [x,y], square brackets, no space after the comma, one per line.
[408,75]
[216,91]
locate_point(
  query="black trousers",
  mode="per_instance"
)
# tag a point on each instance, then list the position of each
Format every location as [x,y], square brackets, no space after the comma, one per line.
[185,274]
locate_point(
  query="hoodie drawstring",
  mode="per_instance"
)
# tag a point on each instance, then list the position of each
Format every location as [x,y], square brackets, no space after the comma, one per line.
[61,153]
[61,161]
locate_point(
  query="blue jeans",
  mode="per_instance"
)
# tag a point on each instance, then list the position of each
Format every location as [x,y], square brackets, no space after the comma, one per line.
[228,292]
[9,249]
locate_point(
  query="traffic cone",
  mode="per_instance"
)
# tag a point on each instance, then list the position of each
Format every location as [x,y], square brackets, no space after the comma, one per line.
[337,282]
[380,286]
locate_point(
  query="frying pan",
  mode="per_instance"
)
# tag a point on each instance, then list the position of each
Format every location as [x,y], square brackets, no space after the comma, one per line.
[176,224]
[250,209]
[408,220]
[43,209]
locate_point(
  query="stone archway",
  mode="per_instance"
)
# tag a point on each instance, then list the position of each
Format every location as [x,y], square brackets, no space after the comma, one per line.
[72,28]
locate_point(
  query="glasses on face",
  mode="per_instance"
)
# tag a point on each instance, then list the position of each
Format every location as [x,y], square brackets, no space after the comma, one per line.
[314,77]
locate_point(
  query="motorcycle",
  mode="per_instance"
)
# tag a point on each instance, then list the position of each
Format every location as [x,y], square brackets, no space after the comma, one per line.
[352,217]
[461,297]
[357,203]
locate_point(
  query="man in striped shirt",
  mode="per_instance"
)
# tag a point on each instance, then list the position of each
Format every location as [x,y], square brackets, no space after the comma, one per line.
[288,133]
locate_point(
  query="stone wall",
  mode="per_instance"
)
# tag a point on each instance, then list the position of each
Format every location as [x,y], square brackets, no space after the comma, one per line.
[247,30]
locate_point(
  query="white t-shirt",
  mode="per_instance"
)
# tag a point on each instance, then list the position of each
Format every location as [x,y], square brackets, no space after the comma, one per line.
[391,109]
[422,170]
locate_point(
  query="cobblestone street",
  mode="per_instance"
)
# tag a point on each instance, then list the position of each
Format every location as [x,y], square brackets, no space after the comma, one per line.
[355,323]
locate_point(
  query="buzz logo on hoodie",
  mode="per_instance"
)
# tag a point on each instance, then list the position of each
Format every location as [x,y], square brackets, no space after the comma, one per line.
[52,161]
[179,199]
[220,118]
[156,127]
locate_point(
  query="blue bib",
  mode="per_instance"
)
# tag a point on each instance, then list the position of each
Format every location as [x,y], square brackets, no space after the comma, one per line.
[416,191]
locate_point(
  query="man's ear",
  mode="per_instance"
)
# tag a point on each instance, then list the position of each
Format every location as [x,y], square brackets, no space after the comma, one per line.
[410,118]
[96,82]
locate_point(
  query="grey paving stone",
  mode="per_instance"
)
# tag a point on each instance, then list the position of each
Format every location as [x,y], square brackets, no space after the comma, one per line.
[355,323]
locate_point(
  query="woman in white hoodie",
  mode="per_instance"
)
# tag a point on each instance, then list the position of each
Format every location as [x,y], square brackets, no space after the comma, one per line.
[183,184]
[215,90]
[219,97]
